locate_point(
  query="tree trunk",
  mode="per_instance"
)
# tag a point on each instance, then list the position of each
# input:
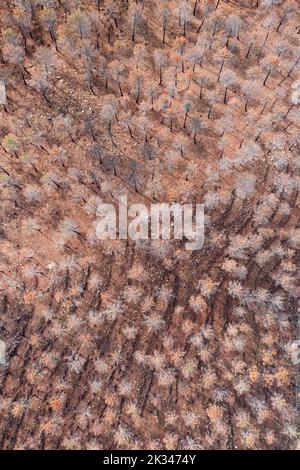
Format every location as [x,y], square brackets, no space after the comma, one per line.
[290,108]
[23,76]
[195,7]
[185,119]
[130,131]
[250,47]
[265,80]
[246,104]
[201,89]
[221,68]
[133,31]
[160,75]
[199,29]
[263,108]
[120,88]
[281,21]
[225,95]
